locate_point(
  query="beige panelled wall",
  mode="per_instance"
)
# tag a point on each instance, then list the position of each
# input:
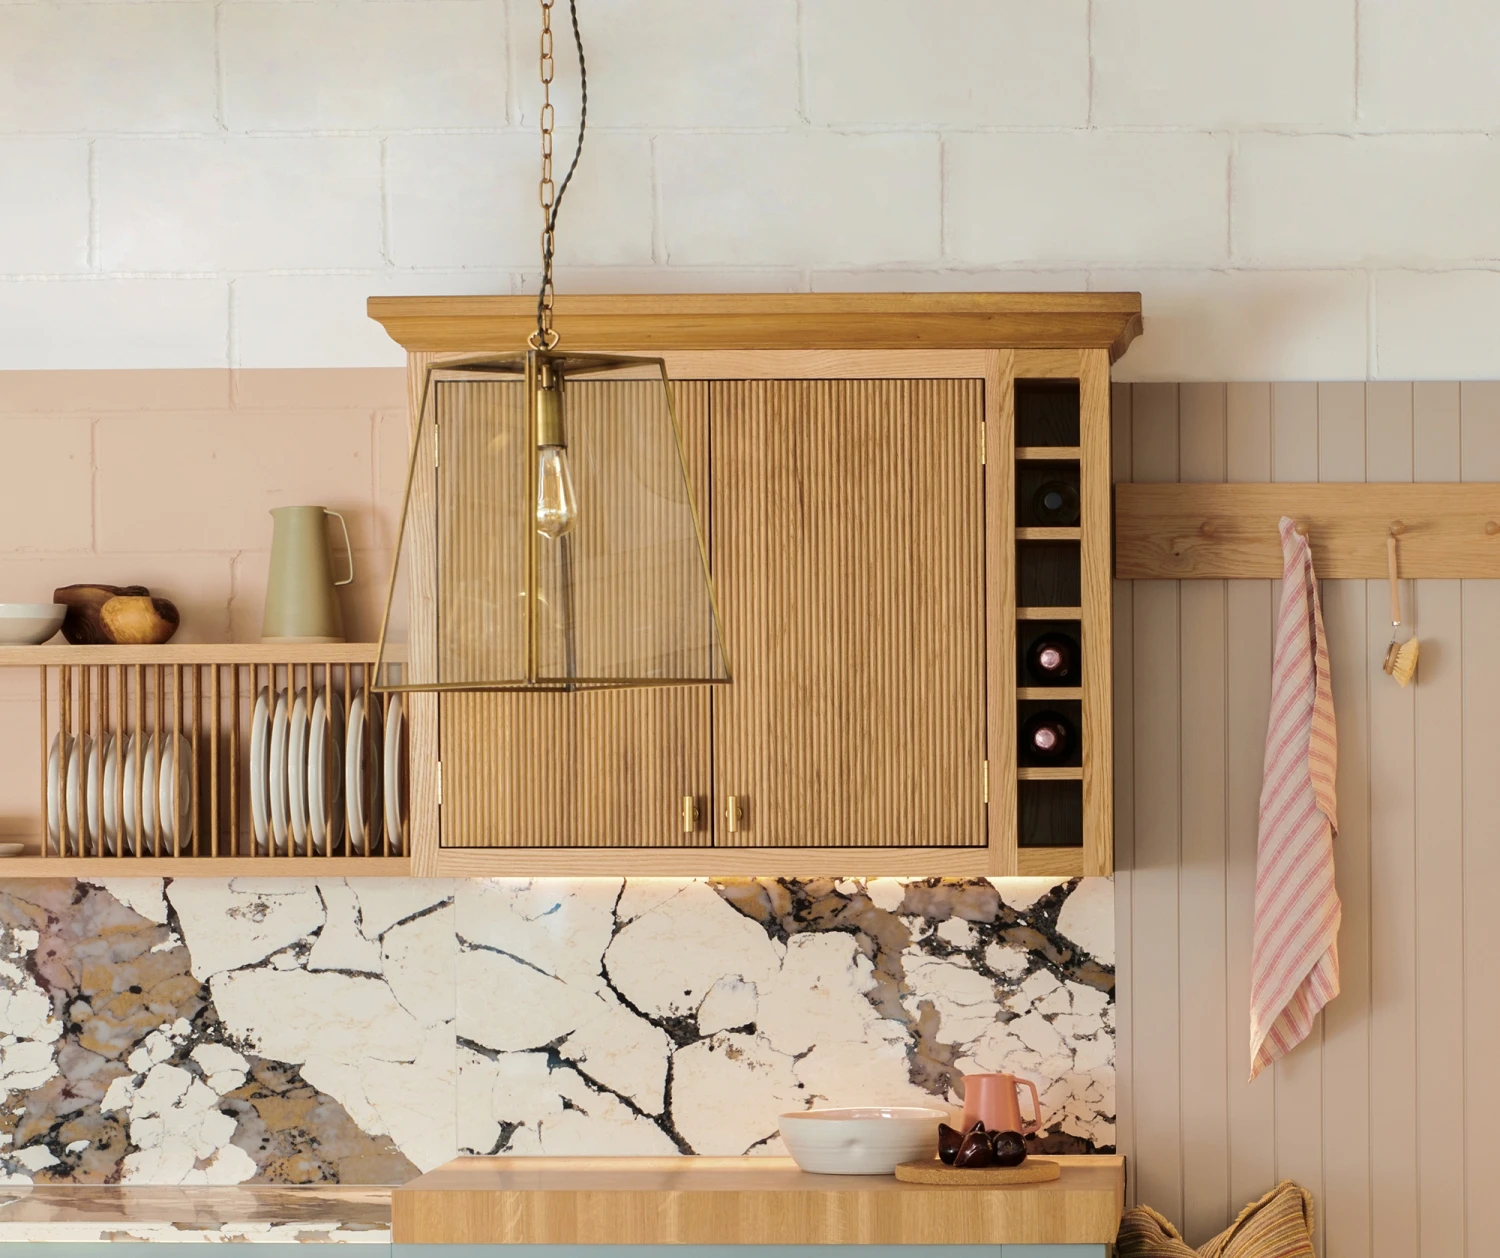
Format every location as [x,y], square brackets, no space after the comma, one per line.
[1389,1112]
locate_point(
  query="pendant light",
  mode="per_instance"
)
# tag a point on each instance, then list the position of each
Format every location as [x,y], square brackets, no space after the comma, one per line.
[549,540]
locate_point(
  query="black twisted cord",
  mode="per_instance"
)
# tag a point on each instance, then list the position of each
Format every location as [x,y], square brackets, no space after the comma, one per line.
[583,118]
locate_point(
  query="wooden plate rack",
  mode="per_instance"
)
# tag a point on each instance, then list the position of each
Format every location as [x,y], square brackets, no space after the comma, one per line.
[199,699]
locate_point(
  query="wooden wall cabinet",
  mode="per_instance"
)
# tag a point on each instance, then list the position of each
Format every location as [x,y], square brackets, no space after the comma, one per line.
[866,469]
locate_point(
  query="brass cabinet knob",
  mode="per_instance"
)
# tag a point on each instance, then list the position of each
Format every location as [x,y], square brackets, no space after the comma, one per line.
[689,814]
[734,813]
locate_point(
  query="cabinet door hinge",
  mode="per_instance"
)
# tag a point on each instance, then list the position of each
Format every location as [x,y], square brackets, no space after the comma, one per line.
[981,443]
[440,783]
[437,445]
[984,779]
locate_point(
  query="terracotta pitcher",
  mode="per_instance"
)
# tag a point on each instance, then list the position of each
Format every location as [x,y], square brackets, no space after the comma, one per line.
[992,1100]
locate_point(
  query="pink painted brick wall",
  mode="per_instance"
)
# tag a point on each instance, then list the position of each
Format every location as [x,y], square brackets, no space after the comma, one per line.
[166,479]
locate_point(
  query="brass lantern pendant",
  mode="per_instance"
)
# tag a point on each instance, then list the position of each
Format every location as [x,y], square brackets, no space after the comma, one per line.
[549,540]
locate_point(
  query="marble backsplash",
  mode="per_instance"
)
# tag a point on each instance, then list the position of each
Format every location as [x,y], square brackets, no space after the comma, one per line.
[296,1031]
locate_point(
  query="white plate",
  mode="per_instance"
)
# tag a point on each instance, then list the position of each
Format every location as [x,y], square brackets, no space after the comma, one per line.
[296,773]
[138,844]
[394,794]
[12,849]
[176,760]
[325,771]
[260,765]
[280,723]
[362,772]
[112,795]
[75,761]
[96,772]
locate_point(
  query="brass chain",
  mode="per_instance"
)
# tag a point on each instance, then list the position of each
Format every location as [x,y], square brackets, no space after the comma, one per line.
[546,190]
[549,194]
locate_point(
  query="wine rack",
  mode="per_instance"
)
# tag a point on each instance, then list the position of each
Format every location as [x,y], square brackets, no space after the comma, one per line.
[1061,714]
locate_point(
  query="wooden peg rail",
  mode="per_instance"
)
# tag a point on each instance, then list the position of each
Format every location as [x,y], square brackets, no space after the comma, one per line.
[1184,532]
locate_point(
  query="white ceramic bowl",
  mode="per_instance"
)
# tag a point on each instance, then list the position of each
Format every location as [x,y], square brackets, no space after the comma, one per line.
[867,1140]
[27,624]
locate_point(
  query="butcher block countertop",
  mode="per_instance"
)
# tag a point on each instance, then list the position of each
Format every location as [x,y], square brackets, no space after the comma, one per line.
[744,1201]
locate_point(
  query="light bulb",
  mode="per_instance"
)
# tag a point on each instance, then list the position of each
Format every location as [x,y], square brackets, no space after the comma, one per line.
[556,507]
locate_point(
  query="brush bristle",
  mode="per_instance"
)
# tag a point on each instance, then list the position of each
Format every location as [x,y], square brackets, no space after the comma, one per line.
[1405,666]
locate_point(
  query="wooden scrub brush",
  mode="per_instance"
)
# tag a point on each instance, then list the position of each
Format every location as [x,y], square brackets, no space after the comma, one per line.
[1400,657]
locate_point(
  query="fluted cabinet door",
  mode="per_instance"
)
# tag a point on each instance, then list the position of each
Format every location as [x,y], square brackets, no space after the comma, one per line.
[847,543]
[597,769]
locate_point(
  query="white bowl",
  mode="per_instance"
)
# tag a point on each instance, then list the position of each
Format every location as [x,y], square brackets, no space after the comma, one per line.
[866,1140]
[29,624]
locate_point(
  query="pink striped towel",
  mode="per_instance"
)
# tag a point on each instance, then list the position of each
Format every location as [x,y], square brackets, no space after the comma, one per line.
[1294,967]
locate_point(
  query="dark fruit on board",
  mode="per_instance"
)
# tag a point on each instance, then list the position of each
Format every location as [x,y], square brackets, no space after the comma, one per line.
[949,1138]
[1008,1147]
[975,1151]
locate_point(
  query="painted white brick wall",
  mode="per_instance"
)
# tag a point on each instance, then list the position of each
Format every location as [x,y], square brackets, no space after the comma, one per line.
[1299,188]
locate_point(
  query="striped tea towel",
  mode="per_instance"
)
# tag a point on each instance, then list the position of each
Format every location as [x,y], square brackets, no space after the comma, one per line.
[1294,967]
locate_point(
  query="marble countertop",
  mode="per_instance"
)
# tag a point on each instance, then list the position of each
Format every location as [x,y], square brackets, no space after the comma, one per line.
[241,1213]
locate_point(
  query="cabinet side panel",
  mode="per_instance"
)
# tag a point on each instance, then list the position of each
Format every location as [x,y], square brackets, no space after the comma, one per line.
[1098,600]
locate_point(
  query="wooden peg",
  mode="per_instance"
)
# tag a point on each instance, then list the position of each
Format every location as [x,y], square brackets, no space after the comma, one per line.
[1300,529]
[1491,528]
[1397,528]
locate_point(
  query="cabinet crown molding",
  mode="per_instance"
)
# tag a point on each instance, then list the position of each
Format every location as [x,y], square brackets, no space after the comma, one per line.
[728,321]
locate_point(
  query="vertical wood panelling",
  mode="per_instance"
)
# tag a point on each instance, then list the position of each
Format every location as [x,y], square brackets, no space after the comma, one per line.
[1124,649]
[1385,1112]
[1299,1075]
[1391,925]
[1345,1065]
[1205,1151]
[1439,928]
[1251,611]
[1155,941]
[1479,429]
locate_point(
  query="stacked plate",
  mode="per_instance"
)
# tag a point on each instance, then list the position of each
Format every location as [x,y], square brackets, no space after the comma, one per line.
[313,782]
[89,786]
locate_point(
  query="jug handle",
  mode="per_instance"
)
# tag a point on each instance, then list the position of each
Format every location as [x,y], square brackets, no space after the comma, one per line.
[1029,1125]
[349,550]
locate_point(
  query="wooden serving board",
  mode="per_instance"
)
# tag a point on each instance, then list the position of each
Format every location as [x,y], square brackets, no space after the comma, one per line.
[932,1171]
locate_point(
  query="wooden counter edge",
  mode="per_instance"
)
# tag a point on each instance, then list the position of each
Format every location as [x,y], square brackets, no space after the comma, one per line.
[803,1213]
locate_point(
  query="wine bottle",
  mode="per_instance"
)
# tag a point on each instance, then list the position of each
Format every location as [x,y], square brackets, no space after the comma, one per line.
[1047,738]
[1052,660]
[1055,504]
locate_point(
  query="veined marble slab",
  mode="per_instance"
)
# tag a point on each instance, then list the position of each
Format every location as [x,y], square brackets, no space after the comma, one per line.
[323,1031]
[244,1213]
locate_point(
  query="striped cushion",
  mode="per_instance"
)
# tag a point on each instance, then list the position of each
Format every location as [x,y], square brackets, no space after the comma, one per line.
[1279,1225]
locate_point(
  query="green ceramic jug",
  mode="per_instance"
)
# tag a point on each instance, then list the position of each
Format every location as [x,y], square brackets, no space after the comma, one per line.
[302,604]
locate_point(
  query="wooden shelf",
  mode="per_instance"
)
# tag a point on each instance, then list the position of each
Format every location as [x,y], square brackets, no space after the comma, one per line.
[1049,692]
[1049,613]
[1050,774]
[203,866]
[1050,862]
[744,1201]
[54,653]
[711,862]
[1049,535]
[1196,531]
[1048,454]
